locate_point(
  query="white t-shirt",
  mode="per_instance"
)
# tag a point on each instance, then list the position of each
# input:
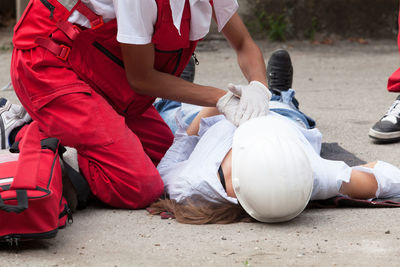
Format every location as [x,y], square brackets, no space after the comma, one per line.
[136,18]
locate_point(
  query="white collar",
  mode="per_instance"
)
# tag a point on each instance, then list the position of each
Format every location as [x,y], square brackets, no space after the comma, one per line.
[201,14]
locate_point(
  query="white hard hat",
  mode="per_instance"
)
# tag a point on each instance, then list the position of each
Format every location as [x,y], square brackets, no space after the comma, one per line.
[271,173]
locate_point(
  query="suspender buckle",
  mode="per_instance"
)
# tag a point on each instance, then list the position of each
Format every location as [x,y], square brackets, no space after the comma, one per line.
[97,23]
[59,50]
[64,52]
[68,29]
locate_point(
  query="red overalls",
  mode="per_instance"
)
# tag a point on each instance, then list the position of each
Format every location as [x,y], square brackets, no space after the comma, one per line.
[72,82]
[394,79]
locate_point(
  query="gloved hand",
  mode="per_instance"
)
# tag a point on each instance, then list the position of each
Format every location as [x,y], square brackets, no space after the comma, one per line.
[227,105]
[254,101]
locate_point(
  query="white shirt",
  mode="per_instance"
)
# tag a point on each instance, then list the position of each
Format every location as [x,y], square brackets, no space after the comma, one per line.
[189,168]
[136,18]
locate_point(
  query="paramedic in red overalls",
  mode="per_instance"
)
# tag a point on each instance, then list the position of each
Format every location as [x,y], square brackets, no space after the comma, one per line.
[88,73]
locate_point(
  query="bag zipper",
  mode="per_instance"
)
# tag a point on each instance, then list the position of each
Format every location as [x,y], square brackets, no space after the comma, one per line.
[50,7]
[67,211]
[14,238]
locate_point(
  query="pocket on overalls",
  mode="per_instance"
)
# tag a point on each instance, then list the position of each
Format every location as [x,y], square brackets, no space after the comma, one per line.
[79,120]
[169,42]
[97,59]
[44,77]
[168,61]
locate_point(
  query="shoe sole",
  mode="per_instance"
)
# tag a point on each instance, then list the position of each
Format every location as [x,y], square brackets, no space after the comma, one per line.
[4,108]
[384,136]
[22,115]
[3,134]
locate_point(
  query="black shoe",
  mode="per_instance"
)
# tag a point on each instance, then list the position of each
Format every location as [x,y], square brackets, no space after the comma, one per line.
[280,71]
[188,72]
[388,128]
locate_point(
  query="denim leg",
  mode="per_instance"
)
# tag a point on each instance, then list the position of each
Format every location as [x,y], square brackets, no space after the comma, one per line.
[287,105]
[168,110]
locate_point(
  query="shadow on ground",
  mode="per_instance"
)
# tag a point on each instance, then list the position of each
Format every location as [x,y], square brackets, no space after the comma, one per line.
[333,151]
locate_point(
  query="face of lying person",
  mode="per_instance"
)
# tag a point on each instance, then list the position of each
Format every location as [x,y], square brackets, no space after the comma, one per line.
[226,165]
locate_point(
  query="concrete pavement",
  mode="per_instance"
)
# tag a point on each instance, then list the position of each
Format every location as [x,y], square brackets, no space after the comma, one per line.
[343,87]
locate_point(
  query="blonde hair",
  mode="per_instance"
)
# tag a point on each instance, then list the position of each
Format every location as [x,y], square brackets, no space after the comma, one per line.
[203,212]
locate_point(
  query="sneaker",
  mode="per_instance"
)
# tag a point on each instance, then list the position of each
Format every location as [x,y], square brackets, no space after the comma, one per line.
[279,71]
[12,116]
[388,128]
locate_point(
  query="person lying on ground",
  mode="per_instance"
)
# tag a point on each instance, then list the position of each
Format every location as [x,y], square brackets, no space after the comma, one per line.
[267,169]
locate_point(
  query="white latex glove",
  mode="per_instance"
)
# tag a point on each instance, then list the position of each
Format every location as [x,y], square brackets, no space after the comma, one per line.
[254,101]
[227,105]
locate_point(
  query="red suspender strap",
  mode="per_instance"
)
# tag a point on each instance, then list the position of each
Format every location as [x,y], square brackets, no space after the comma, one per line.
[60,51]
[69,29]
[29,159]
[96,21]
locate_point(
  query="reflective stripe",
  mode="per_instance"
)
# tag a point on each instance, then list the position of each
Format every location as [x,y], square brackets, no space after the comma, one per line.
[68,4]
[6,181]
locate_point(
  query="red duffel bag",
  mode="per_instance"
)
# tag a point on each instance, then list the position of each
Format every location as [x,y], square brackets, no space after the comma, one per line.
[32,205]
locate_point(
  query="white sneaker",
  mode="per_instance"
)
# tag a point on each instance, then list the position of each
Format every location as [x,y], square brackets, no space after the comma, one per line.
[11,117]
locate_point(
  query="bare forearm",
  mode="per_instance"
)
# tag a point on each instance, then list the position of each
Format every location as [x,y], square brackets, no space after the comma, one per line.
[166,86]
[249,55]
[144,79]
[252,63]
[193,128]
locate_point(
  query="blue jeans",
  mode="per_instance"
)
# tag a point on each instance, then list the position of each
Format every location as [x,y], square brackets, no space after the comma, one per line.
[284,104]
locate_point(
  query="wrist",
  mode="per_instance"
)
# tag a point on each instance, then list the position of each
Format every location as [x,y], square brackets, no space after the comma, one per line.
[256,82]
[218,95]
[263,87]
[259,82]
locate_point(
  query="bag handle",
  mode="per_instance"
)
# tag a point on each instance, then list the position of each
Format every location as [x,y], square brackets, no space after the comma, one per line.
[22,203]
[29,159]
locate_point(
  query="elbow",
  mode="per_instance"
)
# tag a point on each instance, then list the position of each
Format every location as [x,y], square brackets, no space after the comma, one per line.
[140,82]
[136,87]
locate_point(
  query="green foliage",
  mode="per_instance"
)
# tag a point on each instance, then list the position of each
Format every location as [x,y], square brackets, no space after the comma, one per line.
[277,27]
[272,26]
[6,47]
[310,33]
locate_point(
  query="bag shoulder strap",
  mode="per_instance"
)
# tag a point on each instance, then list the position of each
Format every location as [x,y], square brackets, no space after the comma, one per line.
[29,159]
